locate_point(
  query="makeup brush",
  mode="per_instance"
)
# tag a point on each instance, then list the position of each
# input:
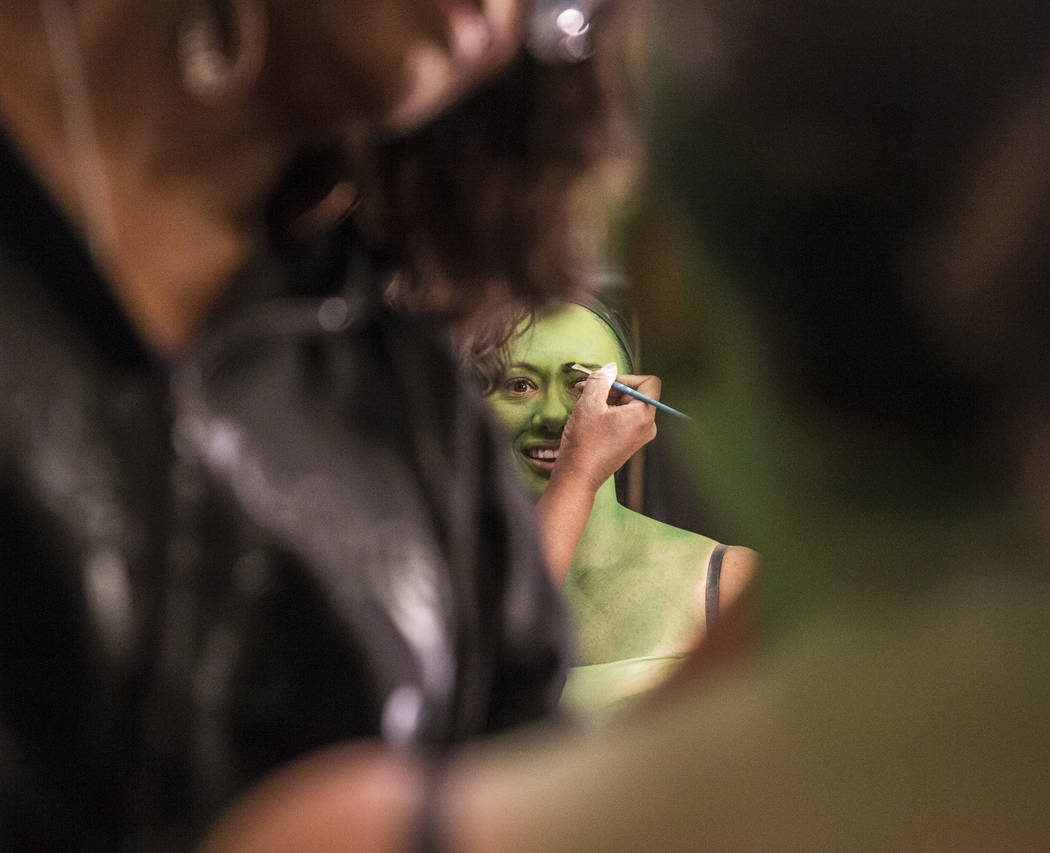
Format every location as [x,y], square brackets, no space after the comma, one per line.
[626,389]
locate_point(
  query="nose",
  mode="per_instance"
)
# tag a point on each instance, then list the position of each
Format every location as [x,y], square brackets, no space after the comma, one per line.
[552,413]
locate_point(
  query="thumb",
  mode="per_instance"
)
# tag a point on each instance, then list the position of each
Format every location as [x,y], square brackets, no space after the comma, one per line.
[599,384]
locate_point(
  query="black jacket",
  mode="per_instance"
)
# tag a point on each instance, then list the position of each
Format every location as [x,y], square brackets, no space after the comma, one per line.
[299,532]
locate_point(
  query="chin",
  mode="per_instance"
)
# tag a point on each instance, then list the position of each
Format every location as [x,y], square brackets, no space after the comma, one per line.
[537,485]
[533,483]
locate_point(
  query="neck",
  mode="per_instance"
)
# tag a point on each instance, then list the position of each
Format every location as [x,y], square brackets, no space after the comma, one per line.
[608,529]
[163,190]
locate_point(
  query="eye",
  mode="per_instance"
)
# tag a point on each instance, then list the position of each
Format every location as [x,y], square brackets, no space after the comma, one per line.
[576,388]
[518,386]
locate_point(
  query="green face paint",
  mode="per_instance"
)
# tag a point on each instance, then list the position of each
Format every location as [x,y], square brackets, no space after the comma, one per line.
[538,391]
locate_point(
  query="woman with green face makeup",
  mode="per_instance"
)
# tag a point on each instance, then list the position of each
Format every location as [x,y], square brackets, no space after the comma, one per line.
[641,592]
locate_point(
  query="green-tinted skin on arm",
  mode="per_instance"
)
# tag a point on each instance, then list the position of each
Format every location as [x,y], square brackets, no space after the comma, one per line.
[635,586]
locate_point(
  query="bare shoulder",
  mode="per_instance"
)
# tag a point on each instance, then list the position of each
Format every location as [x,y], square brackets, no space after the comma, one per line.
[740,560]
[739,565]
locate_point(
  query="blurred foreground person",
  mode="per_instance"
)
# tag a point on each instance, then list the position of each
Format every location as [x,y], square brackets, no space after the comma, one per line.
[863,342]
[246,511]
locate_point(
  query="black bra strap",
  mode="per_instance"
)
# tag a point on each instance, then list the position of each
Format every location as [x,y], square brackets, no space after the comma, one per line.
[714,573]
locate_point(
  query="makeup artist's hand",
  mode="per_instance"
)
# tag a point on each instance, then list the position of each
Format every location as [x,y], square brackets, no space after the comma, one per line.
[605,429]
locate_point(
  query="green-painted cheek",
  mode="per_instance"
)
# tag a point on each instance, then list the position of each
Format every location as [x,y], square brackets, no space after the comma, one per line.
[512,415]
[515,417]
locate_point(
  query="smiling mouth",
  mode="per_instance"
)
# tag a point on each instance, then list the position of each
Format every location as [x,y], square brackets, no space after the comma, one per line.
[541,458]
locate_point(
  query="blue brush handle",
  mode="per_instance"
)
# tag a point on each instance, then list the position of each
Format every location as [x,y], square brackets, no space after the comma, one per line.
[627,389]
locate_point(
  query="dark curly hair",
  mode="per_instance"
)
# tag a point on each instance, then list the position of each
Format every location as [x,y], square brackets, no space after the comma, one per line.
[482,349]
[478,206]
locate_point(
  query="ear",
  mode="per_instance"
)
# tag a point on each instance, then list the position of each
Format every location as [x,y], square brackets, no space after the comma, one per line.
[222,48]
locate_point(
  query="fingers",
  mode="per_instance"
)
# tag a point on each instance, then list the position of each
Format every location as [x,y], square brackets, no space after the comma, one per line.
[598,437]
[601,403]
[643,383]
[597,387]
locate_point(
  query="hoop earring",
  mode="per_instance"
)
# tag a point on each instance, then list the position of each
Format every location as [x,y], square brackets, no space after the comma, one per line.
[221,48]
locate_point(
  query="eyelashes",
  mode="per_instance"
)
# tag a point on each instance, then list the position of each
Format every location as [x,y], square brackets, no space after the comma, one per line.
[520,386]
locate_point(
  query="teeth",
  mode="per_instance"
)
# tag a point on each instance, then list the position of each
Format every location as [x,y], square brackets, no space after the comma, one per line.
[542,453]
